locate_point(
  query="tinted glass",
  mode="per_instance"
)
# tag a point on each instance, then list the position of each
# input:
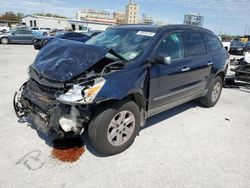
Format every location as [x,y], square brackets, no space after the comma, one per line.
[194,44]
[237,43]
[27,32]
[19,32]
[69,34]
[78,35]
[172,46]
[212,42]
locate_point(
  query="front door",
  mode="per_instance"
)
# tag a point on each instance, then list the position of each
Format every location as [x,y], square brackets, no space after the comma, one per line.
[169,83]
[17,36]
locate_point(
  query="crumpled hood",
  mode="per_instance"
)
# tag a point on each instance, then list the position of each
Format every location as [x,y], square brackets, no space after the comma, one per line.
[61,60]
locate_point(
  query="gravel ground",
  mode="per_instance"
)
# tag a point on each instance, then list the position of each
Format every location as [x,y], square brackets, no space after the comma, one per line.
[188,146]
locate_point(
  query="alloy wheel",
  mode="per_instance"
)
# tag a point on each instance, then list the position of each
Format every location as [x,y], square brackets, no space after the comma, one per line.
[121,128]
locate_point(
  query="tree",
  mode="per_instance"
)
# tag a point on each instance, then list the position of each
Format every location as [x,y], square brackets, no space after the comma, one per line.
[49,15]
[11,16]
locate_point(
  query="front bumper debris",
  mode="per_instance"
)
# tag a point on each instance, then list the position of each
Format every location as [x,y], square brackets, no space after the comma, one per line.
[46,113]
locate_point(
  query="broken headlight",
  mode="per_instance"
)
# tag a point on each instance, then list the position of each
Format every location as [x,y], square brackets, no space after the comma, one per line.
[82,94]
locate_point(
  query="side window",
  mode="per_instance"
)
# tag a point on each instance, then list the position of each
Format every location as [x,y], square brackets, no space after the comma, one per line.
[27,32]
[212,43]
[172,46]
[19,31]
[194,44]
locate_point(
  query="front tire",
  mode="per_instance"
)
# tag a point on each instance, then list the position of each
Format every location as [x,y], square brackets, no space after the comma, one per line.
[213,93]
[114,128]
[5,40]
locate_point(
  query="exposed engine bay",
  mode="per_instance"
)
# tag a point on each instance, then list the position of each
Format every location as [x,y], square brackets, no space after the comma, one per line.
[242,68]
[59,99]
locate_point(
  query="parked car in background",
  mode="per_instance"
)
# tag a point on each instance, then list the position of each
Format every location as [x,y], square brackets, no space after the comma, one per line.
[34,28]
[41,41]
[53,32]
[20,35]
[116,80]
[227,45]
[4,28]
[93,33]
[45,31]
[239,48]
[239,70]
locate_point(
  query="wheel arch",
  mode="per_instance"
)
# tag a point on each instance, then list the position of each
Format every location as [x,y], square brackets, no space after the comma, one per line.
[138,99]
[5,37]
[221,74]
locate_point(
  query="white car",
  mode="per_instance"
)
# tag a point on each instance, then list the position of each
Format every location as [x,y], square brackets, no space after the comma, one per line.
[45,31]
[4,29]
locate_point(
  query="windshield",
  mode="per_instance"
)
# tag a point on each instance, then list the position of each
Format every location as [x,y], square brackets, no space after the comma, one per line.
[237,43]
[127,43]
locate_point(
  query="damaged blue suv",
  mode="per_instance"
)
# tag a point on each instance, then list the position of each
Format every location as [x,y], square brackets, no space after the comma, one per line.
[116,80]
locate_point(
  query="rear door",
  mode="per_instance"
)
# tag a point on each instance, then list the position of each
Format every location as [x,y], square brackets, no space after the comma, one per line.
[169,83]
[199,61]
[28,36]
[216,51]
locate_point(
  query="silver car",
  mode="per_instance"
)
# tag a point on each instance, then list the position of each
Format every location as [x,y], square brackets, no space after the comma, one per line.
[23,36]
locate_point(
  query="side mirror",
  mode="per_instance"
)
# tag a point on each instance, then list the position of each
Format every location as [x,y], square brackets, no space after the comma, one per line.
[13,33]
[161,59]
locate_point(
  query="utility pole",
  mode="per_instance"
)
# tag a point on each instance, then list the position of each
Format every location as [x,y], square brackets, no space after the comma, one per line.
[42,6]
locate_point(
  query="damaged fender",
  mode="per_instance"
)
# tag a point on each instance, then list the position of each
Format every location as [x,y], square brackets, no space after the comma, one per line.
[123,83]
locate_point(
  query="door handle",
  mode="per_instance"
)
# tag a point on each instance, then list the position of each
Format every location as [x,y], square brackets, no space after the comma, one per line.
[210,63]
[185,69]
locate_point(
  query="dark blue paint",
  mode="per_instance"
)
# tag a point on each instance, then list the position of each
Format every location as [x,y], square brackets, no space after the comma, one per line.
[166,83]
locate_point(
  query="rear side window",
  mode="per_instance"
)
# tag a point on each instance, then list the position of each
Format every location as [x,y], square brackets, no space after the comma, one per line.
[172,46]
[212,42]
[194,44]
[27,32]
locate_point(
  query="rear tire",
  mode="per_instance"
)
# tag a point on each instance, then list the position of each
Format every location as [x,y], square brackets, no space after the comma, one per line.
[213,93]
[5,40]
[114,128]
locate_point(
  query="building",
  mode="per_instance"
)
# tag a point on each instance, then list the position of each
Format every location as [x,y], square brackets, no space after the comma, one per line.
[147,20]
[61,23]
[45,22]
[119,17]
[95,16]
[132,13]
[89,13]
[193,19]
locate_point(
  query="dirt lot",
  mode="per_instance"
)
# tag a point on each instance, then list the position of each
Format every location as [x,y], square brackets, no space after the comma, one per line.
[188,146]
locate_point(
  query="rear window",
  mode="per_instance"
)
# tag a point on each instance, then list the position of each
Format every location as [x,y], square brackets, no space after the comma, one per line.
[212,42]
[194,44]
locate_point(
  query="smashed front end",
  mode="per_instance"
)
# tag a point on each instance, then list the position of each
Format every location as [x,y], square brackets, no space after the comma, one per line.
[62,86]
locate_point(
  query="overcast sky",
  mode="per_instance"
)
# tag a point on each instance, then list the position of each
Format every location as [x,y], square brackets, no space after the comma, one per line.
[221,16]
